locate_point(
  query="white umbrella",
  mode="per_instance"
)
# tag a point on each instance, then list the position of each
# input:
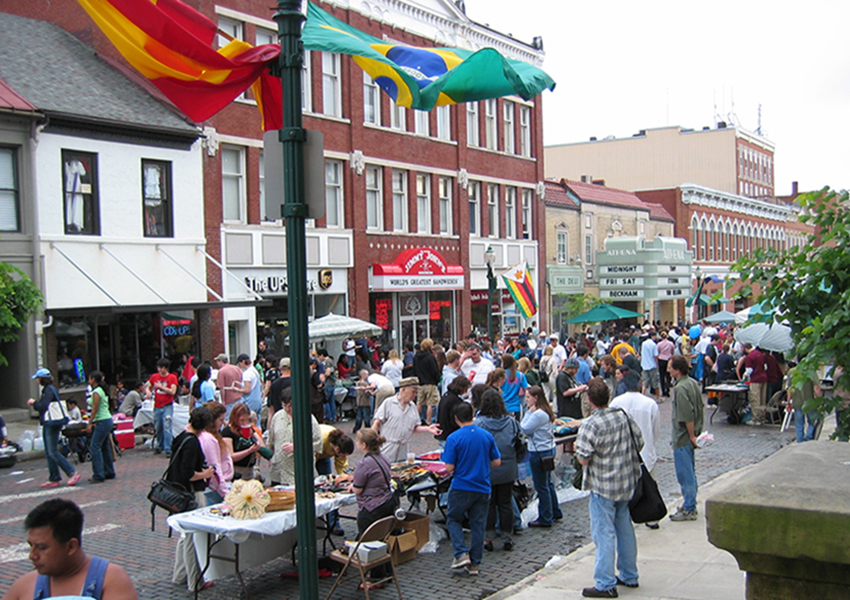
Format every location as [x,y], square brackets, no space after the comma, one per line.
[775,337]
[339,326]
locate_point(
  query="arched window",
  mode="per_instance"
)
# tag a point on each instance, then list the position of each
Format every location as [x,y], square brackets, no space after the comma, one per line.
[727,241]
[694,235]
[703,242]
[712,239]
[748,240]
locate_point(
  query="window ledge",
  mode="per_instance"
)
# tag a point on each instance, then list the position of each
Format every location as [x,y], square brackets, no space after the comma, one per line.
[325,117]
[501,153]
[409,134]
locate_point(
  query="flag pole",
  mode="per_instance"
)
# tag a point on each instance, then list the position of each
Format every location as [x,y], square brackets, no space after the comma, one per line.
[294,210]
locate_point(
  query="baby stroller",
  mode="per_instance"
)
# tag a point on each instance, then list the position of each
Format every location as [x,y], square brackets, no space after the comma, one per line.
[74,440]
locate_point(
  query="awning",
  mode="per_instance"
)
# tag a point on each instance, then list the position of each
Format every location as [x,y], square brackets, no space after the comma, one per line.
[705,300]
[143,308]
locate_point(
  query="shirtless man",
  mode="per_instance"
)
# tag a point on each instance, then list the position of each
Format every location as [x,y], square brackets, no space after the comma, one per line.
[54,534]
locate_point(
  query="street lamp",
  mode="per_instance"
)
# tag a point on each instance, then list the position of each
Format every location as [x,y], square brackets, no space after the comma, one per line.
[489,259]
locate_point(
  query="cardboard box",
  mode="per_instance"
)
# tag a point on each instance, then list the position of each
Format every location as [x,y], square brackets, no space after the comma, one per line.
[417,532]
[126,439]
[370,551]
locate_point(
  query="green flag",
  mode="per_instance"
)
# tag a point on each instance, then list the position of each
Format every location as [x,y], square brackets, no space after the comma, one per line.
[422,78]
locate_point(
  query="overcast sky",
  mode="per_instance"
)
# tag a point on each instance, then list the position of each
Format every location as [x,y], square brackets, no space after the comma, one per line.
[622,66]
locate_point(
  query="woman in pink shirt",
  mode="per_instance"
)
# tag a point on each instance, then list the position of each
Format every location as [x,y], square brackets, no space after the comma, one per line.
[217,455]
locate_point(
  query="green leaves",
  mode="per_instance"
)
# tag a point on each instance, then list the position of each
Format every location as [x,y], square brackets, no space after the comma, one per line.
[810,285]
[19,299]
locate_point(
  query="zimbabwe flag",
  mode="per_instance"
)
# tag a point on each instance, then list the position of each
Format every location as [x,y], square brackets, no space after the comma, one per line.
[518,281]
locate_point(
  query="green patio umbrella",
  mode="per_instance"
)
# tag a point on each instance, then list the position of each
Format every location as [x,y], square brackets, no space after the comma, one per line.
[604,312]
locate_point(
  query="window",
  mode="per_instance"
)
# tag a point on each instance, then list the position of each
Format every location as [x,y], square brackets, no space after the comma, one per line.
[156,194]
[235,30]
[527,198]
[525,130]
[267,213]
[508,109]
[444,123]
[562,247]
[423,203]
[493,208]
[399,200]
[331,85]
[333,193]
[306,97]
[588,249]
[79,171]
[474,208]
[371,101]
[445,205]
[472,135]
[397,117]
[422,122]
[374,199]
[490,123]
[266,36]
[510,213]
[233,184]
[712,242]
[9,220]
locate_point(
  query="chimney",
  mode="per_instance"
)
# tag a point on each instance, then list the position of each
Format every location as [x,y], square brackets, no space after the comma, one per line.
[794,186]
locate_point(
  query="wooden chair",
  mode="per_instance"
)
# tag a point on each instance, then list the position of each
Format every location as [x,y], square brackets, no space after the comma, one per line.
[379,531]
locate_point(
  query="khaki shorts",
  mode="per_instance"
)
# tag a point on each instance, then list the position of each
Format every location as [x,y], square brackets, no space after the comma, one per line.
[428,396]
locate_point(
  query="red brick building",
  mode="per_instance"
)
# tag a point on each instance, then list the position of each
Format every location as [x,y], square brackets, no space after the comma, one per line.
[413,199]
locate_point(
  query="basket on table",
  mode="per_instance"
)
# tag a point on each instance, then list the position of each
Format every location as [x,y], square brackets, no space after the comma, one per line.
[280,499]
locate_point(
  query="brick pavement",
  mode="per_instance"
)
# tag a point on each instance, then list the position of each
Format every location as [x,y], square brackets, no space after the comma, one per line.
[119,516]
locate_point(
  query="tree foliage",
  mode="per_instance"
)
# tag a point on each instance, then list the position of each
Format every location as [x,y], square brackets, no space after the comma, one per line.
[19,299]
[577,304]
[810,287]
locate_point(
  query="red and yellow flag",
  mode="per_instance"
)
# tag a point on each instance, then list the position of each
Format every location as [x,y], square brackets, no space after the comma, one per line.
[172,45]
[518,281]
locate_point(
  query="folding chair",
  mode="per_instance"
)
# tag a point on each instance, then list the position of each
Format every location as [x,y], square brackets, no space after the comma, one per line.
[379,531]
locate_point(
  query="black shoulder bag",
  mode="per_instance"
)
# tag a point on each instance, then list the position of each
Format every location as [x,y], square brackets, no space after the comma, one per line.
[646,505]
[170,495]
[396,493]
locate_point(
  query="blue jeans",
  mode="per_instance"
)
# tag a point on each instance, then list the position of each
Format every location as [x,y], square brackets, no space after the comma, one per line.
[805,434]
[686,474]
[162,427]
[548,508]
[330,404]
[612,532]
[475,506]
[101,451]
[55,460]
[363,418]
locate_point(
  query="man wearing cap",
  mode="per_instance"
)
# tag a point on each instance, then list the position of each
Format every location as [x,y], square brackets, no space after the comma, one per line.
[398,418]
[558,351]
[474,366]
[249,384]
[228,375]
[277,387]
[568,391]
[650,378]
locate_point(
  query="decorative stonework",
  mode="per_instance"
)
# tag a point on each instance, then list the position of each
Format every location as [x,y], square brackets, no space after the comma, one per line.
[211,140]
[358,162]
[463,178]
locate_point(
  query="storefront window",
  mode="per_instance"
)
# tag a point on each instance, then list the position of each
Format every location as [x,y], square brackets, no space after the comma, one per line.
[382,314]
[273,326]
[75,342]
[440,316]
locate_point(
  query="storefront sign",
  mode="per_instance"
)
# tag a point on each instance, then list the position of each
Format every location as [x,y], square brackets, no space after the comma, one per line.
[275,284]
[621,281]
[417,269]
[565,279]
[634,268]
[620,269]
[383,306]
[622,294]
[480,297]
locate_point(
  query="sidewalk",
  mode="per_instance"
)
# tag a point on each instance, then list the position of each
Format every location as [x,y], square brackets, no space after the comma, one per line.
[675,562]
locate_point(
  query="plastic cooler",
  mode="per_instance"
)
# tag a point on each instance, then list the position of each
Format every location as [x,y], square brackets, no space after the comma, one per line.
[123,424]
[126,438]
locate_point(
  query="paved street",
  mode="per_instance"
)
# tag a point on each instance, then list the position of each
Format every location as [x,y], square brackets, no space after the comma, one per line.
[118,525]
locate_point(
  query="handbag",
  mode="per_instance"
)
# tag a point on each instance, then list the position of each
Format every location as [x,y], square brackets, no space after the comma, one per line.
[646,505]
[170,495]
[577,478]
[547,463]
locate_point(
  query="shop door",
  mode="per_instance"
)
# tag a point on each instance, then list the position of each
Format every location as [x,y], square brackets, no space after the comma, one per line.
[414,317]
[414,329]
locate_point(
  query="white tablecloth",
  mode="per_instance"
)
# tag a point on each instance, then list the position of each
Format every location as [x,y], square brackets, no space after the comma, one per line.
[179,418]
[246,543]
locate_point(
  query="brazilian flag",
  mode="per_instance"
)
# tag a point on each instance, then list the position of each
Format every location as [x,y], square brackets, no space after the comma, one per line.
[422,78]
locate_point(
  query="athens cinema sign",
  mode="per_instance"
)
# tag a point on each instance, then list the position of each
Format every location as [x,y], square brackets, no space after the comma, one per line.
[417,269]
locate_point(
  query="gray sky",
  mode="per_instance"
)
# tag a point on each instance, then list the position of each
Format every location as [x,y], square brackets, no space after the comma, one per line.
[622,66]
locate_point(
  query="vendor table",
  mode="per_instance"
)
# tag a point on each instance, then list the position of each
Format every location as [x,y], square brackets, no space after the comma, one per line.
[732,397]
[227,546]
[179,417]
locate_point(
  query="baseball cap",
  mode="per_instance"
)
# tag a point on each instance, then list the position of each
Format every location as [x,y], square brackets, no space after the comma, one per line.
[284,363]
[554,336]
[242,358]
[542,334]
[222,356]
[42,372]
[572,363]
[408,381]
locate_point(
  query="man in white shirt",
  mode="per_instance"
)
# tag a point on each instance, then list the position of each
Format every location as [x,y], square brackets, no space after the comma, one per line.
[474,366]
[558,351]
[650,378]
[644,410]
[397,419]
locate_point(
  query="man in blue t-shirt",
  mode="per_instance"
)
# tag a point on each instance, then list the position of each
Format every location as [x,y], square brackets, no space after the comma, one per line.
[469,455]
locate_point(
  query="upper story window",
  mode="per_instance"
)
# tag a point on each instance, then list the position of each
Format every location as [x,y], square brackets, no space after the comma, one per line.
[474,208]
[445,205]
[374,199]
[525,130]
[423,203]
[233,183]
[79,174]
[508,109]
[399,200]
[472,132]
[371,101]
[444,123]
[490,123]
[331,85]
[236,31]
[306,95]
[266,36]
[588,250]
[422,122]
[9,192]
[527,199]
[493,208]
[398,118]
[510,213]
[333,194]
[562,246]
[156,193]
